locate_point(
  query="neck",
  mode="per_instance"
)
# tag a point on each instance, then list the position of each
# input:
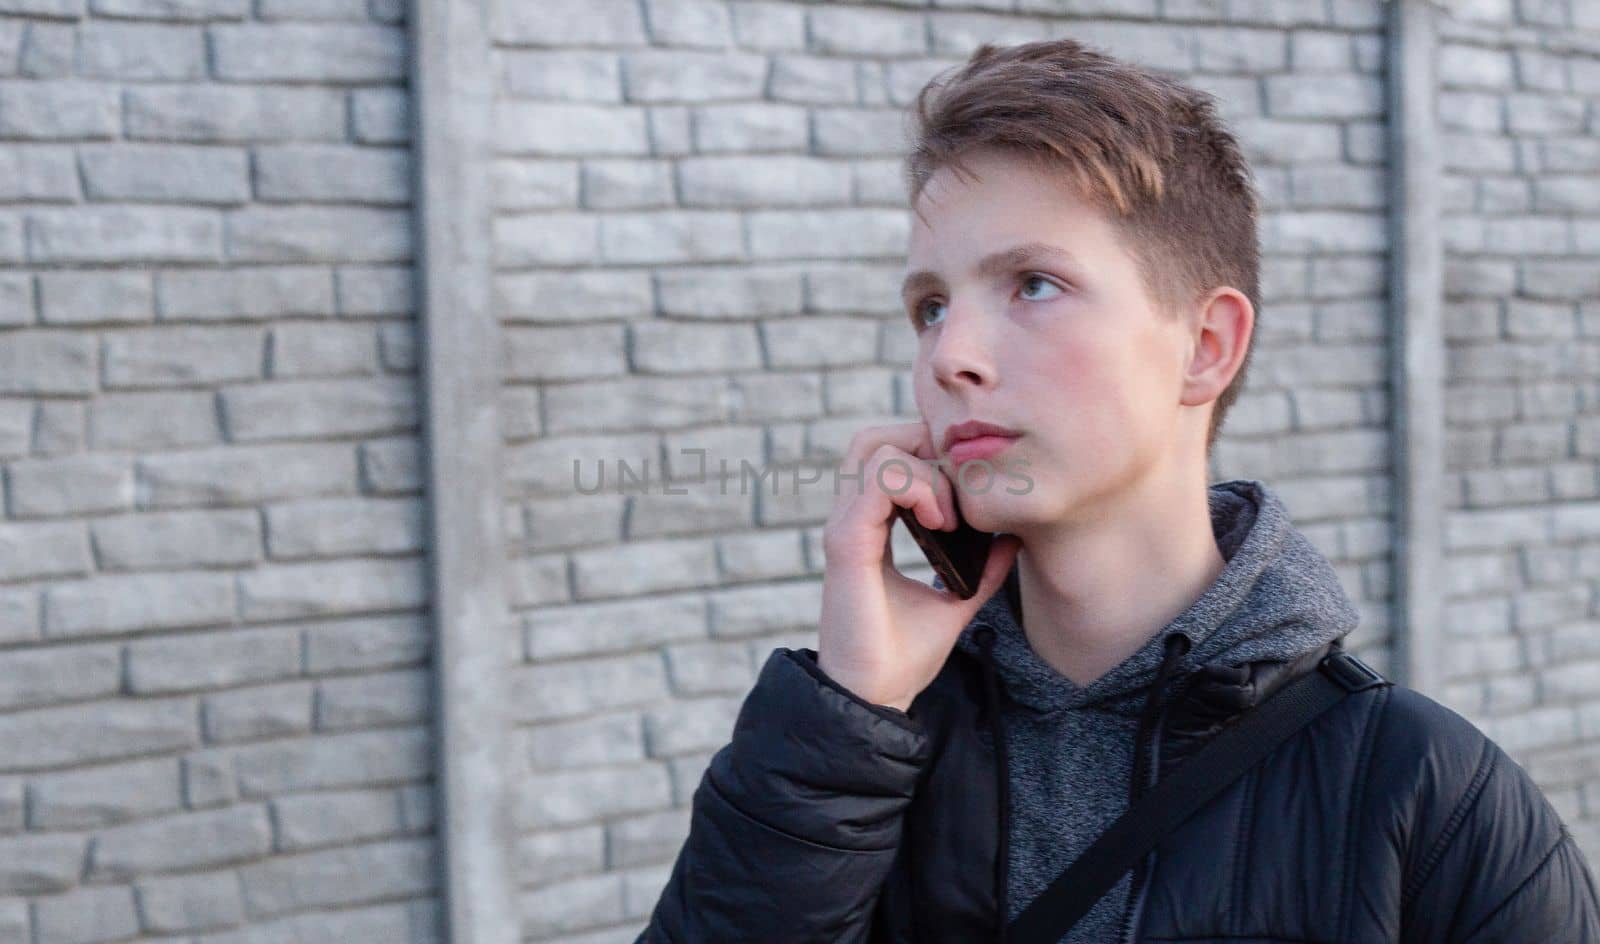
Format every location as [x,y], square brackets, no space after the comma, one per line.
[1096,586]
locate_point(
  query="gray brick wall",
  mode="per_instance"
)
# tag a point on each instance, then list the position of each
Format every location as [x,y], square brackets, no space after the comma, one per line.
[1519,108]
[214,645]
[217,673]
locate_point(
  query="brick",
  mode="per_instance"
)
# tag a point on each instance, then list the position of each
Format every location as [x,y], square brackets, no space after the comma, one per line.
[72,485]
[137,602]
[374,700]
[570,23]
[38,172]
[31,678]
[46,362]
[310,173]
[747,128]
[635,403]
[179,356]
[245,475]
[57,110]
[647,839]
[294,52]
[17,305]
[95,297]
[546,856]
[569,522]
[578,75]
[177,539]
[398,341]
[319,234]
[190,903]
[343,526]
[14,924]
[123,234]
[572,296]
[682,76]
[592,629]
[208,779]
[296,409]
[312,10]
[326,588]
[220,114]
[245,294]
[86,916]
[677,236]
[165,174]
[335,818]
[563,353]
[536,580]
[16,427]
[362,758]
[674,347]
[311,351]
[19,616]
[187,841]
[690,725]
[564,129]
[83,734]
[212,660]
[709,668]
[173,9]
[845,232]
[627,184]
[257,712]
[43,549]
[378,642]
[762,181]
[526,184]
[140,51]
[340,876]
[39,863]
[392,466]
[375,290]
[572,904]
[822,341]
[643,567]
[762,608]
[570,688]
[380,116]
[569,797]
[614,738]
[152,421]
[103,796]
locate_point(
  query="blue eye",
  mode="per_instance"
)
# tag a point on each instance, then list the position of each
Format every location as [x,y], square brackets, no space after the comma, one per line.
[921,310]
[1038,278]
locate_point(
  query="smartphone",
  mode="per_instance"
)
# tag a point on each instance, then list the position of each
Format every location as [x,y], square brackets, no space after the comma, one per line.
[957,556]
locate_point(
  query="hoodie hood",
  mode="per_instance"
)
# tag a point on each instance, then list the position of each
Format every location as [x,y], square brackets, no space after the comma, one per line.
[1276,598]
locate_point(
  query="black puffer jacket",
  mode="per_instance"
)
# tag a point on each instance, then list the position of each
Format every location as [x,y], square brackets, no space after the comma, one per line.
[1389,818]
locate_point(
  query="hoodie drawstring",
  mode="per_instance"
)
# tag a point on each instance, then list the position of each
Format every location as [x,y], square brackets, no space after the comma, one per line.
[991,690]
[1176,646]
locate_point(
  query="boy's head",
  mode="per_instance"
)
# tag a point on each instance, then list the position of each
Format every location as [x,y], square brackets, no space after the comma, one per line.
[1131,356]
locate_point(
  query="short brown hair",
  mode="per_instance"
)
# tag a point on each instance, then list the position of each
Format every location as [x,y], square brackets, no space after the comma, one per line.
[1150,153]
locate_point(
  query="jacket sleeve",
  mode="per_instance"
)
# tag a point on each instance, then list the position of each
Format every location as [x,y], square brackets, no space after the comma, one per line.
[797,820]
[1502,866]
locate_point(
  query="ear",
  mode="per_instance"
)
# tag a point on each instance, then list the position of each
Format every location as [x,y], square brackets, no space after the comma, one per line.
[1221,339]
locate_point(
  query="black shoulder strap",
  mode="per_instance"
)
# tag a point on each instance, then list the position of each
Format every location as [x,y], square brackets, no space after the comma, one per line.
[1221,761]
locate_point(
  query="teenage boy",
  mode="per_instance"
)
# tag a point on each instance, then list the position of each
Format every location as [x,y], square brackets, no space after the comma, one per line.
[1083,287]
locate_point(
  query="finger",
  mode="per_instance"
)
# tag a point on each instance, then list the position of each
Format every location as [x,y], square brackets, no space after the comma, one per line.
[907,437]
[906,481]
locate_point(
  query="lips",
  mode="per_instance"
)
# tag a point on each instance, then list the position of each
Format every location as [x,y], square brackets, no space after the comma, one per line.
[975,429]
[976,439]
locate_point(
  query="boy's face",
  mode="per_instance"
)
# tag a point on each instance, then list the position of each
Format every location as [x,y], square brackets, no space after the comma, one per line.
[1070,352]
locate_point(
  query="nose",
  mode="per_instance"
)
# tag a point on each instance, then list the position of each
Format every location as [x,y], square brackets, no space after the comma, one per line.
[962,353]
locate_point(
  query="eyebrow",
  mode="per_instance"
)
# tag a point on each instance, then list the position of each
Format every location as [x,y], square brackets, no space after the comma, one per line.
[993,264]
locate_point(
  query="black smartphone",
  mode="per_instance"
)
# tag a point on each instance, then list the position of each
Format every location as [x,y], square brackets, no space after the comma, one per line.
[957,556]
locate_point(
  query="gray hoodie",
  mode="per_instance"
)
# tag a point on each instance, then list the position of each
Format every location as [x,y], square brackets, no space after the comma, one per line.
[1070,748]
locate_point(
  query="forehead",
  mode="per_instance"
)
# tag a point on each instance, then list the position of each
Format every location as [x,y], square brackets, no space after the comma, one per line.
[1003,211]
